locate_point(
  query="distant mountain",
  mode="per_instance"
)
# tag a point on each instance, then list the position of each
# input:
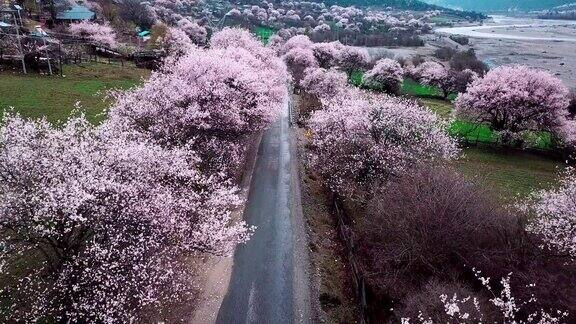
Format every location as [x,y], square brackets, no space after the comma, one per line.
[416,5]
[500,5]
[401,4]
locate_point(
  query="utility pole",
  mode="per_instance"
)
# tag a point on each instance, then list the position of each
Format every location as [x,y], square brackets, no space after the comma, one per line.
[43,35]
[47,55]
[19,42]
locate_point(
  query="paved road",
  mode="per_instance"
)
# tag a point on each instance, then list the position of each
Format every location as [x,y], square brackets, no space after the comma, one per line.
[262,288]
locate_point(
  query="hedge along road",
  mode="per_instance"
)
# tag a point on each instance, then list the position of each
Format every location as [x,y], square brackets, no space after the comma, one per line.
[269,282]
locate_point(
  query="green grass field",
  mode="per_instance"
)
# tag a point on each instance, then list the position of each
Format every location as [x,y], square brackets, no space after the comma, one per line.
[54,97]
[264,33]
[409,87]
[508,174]
[478,133]
[413,88]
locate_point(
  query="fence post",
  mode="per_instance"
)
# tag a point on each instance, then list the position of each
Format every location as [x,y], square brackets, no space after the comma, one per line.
[348,239]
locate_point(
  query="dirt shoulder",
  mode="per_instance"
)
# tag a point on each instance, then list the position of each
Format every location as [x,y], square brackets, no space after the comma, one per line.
[217,271]
[332,295]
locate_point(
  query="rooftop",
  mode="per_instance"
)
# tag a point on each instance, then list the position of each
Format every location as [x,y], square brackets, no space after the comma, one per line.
[77,12]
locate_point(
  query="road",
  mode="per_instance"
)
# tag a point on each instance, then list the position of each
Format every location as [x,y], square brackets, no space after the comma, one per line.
[268,283]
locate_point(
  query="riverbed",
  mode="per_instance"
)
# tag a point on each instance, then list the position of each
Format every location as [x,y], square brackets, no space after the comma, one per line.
[545,44]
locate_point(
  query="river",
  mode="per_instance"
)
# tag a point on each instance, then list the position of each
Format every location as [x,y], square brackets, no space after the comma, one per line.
[493,29]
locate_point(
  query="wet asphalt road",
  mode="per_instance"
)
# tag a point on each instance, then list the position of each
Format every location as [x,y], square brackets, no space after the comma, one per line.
[261,286]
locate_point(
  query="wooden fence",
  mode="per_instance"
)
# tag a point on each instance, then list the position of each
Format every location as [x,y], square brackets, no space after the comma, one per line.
[348,237]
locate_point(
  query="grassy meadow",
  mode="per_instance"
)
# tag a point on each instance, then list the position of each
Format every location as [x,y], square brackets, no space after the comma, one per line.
[507,173]
[55,97]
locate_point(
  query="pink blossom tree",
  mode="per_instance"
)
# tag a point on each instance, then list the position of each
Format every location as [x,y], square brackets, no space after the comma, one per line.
[321,32]
[386,75]
[298,60]
[554,213]
[354,58]
[102,35]
[328,54]
[298,41]
[266,58]
[219,90]
[324,83]
[222,93]
[432,74]
[176,43]
[448,81]
[362,139]
[516,99]
[109,220]
[198,34]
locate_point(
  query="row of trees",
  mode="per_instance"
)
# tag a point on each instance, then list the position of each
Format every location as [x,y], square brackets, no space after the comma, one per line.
[97,223]
[424,233]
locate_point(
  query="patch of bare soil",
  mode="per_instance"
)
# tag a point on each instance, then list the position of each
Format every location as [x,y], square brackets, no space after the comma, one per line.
[331,277]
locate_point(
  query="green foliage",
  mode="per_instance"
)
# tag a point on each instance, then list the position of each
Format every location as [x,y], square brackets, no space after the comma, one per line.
[413,88]
[264,33]
[55,97]
[356,78]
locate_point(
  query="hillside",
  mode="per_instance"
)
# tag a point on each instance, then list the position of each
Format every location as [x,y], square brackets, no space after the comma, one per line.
[415,5]
[500,5]
[401,4]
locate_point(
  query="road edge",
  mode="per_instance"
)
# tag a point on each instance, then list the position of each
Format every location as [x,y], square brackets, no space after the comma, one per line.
[218,270]
[305,310]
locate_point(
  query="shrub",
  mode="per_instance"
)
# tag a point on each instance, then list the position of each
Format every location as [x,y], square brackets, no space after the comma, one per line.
[431,224]
[572,105]
[467,60]
[462,40]
[445,53]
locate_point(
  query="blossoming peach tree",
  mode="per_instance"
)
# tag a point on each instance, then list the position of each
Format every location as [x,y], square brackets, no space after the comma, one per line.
[387,75]
[100,34]
[512,310]
[208,96]
[515,99]
[95,227]
[554,218]
[361,139]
